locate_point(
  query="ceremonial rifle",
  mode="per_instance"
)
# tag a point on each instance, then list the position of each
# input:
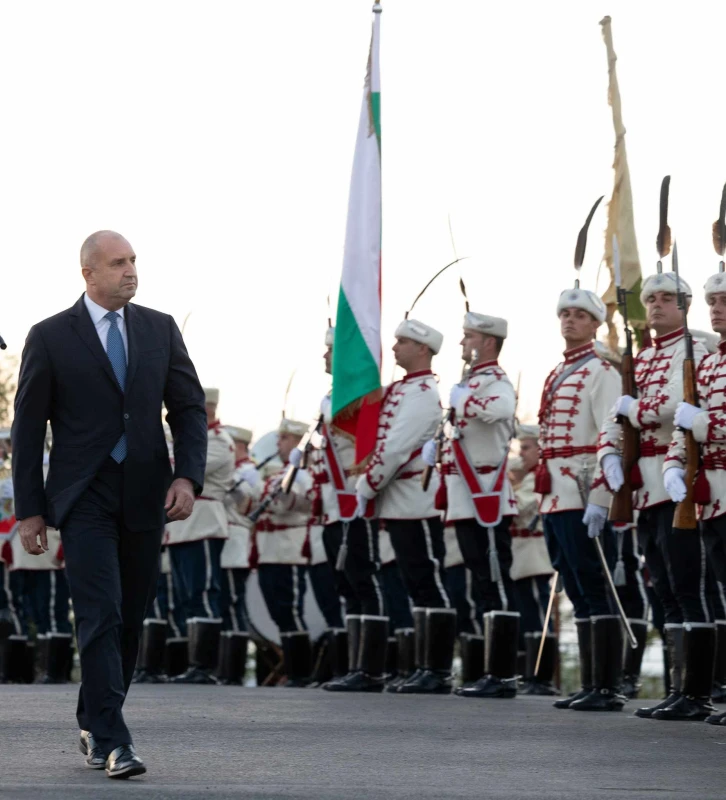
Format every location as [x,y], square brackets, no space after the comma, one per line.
[685,513]
[285,485]
[621,507]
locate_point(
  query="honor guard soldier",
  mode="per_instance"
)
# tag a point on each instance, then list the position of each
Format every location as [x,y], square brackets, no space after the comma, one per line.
[195,546]
[708,425]
[674,564]
[279,553]
[351,545]
[479,496]
[577,397]
[409,416]
[532,570]
[235,560]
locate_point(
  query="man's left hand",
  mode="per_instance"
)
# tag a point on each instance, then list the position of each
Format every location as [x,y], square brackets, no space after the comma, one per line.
[685,414]
[179,499]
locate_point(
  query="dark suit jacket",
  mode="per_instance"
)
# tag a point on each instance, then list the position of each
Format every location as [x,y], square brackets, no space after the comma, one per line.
[66,377]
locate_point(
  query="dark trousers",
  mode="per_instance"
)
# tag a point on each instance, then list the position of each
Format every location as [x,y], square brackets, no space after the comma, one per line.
[463,592]
[714,538]
[633,596]
[322,581]
[359,581]
[574,556]
[42,597]
[397,601]
[111,573]
[232,601]
[283,587]
[532,596]
[677,564]
[496,590]
[420,551]
[196,567]
[166,604]
[7,599]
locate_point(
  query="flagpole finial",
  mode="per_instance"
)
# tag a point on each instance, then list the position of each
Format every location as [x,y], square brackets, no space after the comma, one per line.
[377,7]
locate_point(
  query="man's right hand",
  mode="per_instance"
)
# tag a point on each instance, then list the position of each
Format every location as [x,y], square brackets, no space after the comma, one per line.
[30,531]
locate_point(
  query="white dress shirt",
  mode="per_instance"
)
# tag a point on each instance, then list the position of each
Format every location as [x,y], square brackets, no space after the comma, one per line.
[98,317]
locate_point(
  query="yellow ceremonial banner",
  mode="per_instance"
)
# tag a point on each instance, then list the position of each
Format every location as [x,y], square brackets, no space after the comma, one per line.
[620,210]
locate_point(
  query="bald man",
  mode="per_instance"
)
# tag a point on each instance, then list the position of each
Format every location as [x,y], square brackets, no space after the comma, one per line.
[100,372]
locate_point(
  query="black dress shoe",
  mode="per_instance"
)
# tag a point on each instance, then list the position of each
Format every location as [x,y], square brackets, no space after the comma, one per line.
[429,681]
[95,757]
[686,709]
[647,713]
[196,675]
[144,676]
[358,681]
[540,688]
[717,719]
[124,763]
[600,700]
[489,686]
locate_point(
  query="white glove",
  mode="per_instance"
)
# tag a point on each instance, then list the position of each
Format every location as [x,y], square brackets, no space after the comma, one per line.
[674,483]
[428,454]
[612,466]
[326,406]
[362,505]
[457,392]
[685,414]
[296,457]
[622,405]
[251,477]
[595,518]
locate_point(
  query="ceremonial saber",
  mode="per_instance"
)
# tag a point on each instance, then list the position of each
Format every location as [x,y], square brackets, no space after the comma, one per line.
[550,604]
[611,584]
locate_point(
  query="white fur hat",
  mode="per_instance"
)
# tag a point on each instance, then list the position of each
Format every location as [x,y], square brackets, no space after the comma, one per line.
[293,427]
[584,299]
[239,434]
[716,284]
[663,282]
[421,333]
[481,323]
[211,396]
[527,431]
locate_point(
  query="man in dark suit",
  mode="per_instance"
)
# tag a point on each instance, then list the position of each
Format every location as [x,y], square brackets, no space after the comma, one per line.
[99,372]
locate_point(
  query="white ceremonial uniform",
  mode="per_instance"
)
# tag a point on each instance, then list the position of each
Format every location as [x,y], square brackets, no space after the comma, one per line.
[529,551]
[236,550]
[659,380]
[577,397]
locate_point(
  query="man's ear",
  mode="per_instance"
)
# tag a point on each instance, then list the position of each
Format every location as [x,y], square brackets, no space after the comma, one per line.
[87,273]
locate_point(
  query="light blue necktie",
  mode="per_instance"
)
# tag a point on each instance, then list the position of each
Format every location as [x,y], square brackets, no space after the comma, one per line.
[117,357]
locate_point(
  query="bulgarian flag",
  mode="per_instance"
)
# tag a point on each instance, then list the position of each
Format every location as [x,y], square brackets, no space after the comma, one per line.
[357,348]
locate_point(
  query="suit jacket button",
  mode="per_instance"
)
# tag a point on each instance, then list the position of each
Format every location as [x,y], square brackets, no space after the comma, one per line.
[126,416]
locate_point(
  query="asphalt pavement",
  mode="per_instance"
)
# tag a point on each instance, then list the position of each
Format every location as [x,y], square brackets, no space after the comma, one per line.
[300,744]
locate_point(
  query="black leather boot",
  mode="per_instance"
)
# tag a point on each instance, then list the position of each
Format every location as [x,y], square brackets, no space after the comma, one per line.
[435,678]
[55,654]
[297,654]
[542,682]
[419,646]
[674,647]
[369,673]
[232,658]
[584,645]
[405,648]
[391,659]
[472,659]
[349,660]
[694,704]
[607,667]
[633,659]
[14,657]
[203,651]
[176,656]
[718,693]
[150,663]
[322,661]
[501,636]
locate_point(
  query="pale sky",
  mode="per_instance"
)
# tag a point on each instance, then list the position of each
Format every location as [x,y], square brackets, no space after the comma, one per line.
[218,138]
